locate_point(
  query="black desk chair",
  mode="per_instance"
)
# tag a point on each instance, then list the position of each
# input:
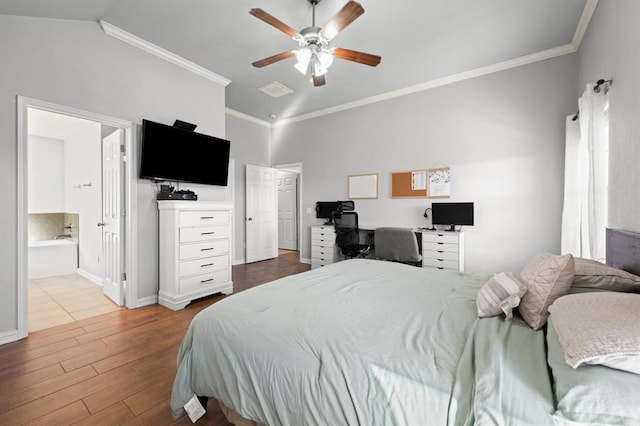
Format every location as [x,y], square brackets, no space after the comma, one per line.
[348,234]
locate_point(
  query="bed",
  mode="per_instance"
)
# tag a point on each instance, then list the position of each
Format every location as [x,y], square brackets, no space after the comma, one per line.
[373,342]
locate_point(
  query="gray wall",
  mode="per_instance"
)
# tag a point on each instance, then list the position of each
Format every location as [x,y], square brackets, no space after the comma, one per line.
[611,50]
[75,64]
[501,134]
[249,145]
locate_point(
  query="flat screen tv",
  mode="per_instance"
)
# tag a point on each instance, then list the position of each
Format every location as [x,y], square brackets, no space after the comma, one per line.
[452,214]
[173,154]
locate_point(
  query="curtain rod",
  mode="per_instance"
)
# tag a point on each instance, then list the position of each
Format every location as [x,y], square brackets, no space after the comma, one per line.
[596,88]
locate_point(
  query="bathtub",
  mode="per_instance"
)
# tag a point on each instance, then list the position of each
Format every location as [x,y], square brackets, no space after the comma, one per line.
[52,257]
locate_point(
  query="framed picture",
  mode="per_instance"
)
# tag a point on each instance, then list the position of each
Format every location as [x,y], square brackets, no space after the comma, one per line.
[440,183]
[362,186]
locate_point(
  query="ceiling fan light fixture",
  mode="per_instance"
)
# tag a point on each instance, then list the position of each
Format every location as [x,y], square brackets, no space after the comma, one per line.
[317,68]
[326,59]
[303,56]
[303,68]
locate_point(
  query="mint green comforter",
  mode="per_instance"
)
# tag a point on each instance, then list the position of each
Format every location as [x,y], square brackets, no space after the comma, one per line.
[365,342]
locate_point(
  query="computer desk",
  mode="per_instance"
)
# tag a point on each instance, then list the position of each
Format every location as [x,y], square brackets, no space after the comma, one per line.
[442,250]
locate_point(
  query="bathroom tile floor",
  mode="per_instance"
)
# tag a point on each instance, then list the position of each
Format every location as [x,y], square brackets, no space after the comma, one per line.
[63,299]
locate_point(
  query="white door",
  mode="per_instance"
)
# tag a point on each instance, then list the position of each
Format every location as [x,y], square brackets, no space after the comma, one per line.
[112,217]
[261,205]
[287,210]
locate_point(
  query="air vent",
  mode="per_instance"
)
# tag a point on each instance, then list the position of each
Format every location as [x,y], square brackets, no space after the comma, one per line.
[275,89]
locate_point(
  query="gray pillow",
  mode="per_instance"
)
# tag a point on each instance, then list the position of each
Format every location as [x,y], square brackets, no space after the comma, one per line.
[499,295]
[594,274]
[547,277]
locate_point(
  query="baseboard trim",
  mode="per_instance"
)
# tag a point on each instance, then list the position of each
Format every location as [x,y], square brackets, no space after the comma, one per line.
[8,337]
[145,301]
[88,275]
[304,260]
[239,262]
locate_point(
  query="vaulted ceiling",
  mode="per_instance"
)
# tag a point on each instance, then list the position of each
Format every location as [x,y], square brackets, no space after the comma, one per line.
[421,42]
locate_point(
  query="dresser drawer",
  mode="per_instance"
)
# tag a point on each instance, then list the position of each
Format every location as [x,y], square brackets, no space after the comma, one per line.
[323,229]
[200,266]
[203,281]
[444,255]
[203,233]
[322,237]
[431,246]
[441,264]
[437,237]
[205,249]
[204,218]
[316,263]
[322,254]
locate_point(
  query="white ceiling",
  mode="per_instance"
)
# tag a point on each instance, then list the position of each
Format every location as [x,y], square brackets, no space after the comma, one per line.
[51,125]
[419,40]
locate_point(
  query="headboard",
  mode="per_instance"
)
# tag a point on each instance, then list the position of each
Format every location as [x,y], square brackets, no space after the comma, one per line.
[623,250]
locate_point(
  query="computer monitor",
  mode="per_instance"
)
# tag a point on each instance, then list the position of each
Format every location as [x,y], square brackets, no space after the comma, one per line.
[325,209]
[452,214]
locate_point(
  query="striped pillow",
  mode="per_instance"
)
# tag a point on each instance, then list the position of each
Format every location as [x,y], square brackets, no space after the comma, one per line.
[500,294]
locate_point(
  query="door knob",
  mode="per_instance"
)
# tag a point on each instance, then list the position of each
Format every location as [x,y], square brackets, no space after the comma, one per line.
[101,224]
[249,218]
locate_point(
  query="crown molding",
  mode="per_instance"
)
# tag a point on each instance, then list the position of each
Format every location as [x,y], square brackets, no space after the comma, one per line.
[247,117]
[158,51]
[583,24]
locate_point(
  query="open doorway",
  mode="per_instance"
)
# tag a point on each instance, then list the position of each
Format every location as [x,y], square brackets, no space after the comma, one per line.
[61,216]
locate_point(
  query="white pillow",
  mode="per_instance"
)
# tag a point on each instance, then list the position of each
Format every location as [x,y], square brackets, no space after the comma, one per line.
[599,328]
[500,294]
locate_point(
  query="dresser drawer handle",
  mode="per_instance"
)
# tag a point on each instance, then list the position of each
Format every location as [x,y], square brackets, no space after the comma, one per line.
[439,267]
[440,260]
[206,281]
[440,251]
[440,243]
[206,249]
[207,233]
[206,217]
[206,265]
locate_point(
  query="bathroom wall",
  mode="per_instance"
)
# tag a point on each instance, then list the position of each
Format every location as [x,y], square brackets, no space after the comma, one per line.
[48,226]
[45,175]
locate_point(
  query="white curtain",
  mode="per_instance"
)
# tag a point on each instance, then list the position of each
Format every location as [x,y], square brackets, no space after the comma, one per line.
[585,212]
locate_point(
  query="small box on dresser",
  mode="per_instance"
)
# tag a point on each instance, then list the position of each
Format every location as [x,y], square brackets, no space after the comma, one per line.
[443,250]
[195,251]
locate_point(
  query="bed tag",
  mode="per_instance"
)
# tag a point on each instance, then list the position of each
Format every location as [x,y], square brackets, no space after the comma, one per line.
[194,409]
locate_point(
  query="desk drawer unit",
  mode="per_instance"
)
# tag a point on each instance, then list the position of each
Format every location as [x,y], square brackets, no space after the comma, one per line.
[442,250]
[195,251]
[323,239]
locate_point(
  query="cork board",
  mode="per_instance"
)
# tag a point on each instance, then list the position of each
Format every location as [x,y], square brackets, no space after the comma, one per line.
[410,184]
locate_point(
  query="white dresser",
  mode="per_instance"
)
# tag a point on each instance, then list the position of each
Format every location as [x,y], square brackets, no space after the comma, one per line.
[195,251]
[323,239]
[443,250]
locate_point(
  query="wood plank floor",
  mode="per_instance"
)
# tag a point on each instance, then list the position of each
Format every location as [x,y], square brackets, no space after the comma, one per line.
[115,368]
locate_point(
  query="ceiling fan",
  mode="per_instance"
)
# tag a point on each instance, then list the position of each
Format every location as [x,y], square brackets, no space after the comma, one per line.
[315,55]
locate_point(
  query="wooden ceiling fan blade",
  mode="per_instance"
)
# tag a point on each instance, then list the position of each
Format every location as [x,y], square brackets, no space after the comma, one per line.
[319,80]
[271,59]
[349,13]
[275,22]
[355,56]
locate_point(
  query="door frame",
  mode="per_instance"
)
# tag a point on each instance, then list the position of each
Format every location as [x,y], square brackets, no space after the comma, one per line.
[296,167]
[128,185]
